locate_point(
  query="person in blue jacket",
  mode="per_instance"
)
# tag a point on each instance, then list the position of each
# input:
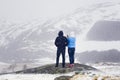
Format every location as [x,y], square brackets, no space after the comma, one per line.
[71,48]
[61,42]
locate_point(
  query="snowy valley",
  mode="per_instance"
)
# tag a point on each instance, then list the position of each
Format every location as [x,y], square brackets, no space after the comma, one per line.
[31,44]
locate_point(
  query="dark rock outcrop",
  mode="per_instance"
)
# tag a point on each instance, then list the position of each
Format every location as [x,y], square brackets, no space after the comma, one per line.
[51,69]
[63,78]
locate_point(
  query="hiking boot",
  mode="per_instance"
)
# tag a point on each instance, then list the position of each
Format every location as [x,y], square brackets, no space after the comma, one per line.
[56,65]
[63,66]
[71,65]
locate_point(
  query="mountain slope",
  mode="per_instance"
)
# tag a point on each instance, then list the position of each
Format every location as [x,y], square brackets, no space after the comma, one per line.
[31,41]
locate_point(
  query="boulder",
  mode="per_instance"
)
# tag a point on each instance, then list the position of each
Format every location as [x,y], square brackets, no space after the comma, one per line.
[51,69]
[63,78]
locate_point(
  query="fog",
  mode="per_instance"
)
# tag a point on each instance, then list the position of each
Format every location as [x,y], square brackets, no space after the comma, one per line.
[24,10]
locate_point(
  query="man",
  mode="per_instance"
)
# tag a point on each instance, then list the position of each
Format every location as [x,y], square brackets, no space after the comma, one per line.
[61,42]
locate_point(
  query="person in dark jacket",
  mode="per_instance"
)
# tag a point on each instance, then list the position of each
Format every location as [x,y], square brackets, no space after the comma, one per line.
[61,42]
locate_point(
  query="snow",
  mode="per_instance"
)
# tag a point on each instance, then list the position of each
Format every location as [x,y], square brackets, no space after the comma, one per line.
[97,45]
[28,77]
[79,21]
[109,68]
[2,63]
[32,76]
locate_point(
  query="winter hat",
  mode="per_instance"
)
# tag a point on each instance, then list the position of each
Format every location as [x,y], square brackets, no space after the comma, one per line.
[72,34]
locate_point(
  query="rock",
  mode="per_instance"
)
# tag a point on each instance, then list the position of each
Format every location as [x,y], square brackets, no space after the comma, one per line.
[63,78]
[51,69]
[94,77]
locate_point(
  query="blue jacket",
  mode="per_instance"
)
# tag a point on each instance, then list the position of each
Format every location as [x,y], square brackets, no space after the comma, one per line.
[71,42]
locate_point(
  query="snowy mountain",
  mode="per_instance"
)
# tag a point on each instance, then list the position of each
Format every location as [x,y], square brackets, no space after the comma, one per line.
[105,31]
[99,56]
[34,40]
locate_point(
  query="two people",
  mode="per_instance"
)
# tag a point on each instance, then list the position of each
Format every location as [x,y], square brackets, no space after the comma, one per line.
[61,42]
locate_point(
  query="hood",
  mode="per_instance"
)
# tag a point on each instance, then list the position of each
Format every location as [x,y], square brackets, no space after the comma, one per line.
[60,33]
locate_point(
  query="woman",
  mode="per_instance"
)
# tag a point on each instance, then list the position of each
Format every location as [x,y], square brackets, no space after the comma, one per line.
[71,48]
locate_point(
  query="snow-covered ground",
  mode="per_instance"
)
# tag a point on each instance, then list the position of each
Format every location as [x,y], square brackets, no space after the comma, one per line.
[28,77]
[108,71]
[32,76]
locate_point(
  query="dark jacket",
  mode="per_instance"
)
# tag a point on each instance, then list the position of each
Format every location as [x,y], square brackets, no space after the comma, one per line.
[61,41]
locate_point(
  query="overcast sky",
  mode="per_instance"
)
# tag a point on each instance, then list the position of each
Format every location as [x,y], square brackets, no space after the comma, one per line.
[32,9]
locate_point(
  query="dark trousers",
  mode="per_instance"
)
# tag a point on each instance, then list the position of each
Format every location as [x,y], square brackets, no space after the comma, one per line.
[60,51]
[71,52]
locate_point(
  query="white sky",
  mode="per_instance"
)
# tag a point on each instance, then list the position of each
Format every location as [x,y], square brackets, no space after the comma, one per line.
[32,9]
